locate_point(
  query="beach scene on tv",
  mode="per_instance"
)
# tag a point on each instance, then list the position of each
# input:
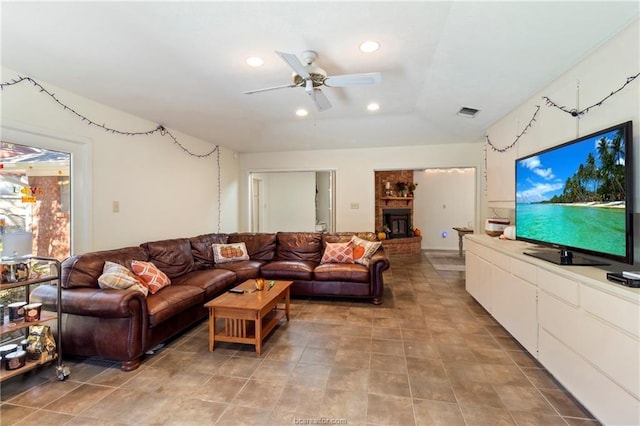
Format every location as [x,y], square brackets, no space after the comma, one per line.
[574,195]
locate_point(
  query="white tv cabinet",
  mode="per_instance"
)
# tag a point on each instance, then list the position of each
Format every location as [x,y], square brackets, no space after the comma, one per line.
[584,329]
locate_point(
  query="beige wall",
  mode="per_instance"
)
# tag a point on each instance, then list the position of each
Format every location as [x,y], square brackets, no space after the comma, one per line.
[162,192]
[355,174]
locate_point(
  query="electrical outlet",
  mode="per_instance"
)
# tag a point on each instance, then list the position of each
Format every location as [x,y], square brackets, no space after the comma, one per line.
[355,206]
[116,206]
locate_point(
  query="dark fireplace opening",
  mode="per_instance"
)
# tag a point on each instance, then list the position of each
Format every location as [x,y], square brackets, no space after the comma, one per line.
[398,221]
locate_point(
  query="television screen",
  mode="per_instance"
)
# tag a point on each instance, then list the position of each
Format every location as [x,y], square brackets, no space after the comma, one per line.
[577,197]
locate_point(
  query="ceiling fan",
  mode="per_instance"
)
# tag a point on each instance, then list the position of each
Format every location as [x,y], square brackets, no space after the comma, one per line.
[312,77]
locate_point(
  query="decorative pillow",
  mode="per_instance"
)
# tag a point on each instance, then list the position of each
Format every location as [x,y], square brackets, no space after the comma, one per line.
[223,253]
[116,276]
[363,250]
[151,275]
[338,253]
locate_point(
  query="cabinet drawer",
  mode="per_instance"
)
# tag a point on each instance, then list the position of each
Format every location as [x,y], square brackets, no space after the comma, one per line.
[561,287]
[605,399]
[500,260]
[526,271]
[619,312]
[611,351]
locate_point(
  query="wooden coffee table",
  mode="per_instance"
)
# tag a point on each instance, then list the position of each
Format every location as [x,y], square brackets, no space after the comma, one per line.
[248,317]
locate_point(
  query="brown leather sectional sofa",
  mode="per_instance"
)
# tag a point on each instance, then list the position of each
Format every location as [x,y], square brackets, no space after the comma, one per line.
[122,325]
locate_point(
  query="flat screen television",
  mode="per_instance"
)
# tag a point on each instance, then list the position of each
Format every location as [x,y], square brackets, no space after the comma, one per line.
[577,197]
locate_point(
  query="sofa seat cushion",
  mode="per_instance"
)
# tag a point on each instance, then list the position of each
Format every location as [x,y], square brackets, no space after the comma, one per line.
[341,272]
[171,301]
[212,281]
[244,269]
[289,270]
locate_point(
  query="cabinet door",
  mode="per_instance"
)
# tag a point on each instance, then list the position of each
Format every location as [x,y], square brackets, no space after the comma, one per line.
[478,279]
[514,305]
[501,177]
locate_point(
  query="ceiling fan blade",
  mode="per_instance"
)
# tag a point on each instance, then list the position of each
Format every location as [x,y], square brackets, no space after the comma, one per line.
[294,63]
[319,99]
[353,79]
[266,89]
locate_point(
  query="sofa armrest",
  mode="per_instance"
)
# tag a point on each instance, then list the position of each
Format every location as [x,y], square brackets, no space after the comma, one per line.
[378,263]
[94,302]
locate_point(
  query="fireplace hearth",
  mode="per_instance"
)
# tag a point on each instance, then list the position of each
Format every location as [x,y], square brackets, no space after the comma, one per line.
[398,221]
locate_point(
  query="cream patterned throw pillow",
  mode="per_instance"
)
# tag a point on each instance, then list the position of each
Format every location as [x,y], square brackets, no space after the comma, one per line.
[223,253]
[117,277]
[338,253]
[363,250]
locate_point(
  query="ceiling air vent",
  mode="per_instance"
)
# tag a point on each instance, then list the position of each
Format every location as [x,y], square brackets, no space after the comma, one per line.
[468,112]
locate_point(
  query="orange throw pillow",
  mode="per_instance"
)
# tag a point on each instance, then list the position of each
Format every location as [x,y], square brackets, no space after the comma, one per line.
[150,274]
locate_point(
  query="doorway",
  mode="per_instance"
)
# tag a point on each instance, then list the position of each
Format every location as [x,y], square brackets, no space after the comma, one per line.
[35,197]
[292,201]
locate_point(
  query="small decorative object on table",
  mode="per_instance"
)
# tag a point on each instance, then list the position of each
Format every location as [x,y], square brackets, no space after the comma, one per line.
[259,284]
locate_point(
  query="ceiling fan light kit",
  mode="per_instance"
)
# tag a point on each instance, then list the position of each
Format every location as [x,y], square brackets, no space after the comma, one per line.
[312,78]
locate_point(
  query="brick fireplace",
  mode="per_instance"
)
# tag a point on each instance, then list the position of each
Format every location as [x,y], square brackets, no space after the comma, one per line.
[396,213]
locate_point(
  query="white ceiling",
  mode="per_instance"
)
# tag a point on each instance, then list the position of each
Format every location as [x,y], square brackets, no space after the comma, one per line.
[181,64]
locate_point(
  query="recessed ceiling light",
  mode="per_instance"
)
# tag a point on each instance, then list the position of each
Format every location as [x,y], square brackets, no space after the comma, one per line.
[254,61]
[369,46]
[302,112]
[373,106]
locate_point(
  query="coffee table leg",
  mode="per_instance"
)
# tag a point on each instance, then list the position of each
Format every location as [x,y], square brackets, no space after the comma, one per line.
[287,303]
[212,328]
[258,329]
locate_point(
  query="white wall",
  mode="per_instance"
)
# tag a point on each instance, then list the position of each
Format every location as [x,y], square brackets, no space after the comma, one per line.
[444,198]
[293,209]
[600,73]
[355,174]
[163,192]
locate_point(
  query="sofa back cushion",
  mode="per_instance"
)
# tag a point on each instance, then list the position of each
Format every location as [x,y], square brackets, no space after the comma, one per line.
[299,246]
[201,249]
[259,246]
[173,257]
[83,270]
[345,237]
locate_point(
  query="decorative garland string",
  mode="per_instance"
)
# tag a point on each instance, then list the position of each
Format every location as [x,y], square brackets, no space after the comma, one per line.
[219,190]
[577,113]
[572,112]
[508,147]
[159,129]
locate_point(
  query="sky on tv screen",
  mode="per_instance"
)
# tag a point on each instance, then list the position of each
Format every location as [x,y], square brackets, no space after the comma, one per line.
[540,177]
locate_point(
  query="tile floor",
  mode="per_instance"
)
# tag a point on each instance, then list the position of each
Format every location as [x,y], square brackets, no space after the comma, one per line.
[429,355]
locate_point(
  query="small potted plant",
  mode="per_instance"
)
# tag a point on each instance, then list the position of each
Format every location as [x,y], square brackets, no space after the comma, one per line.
[411,186]
[402,188]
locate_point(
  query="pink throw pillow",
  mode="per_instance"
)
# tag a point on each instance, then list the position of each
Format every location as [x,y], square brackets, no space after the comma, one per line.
[338,253]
